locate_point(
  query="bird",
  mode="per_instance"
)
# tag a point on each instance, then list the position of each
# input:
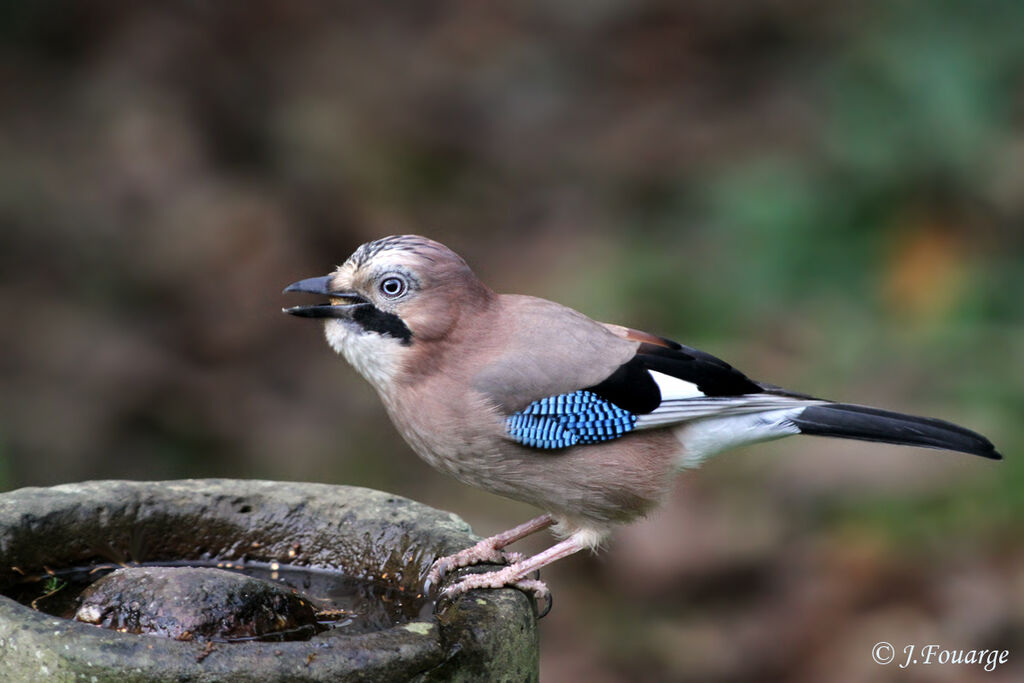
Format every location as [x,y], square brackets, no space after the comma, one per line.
[532,400]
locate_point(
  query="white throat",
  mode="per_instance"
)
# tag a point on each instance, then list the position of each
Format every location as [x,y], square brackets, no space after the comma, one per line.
[374,356]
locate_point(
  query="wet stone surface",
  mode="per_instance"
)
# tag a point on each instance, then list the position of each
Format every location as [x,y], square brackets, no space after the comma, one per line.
[354,605]
[195,603]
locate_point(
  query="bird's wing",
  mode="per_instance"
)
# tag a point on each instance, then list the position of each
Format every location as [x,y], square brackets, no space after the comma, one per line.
[663,383]
[541,349]
[690,384]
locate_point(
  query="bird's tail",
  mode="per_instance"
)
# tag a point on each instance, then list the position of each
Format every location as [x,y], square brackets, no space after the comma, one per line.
[847,421]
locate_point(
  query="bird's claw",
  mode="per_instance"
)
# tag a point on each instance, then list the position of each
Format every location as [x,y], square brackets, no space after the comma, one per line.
[481,552]
[540,592]
[503,578]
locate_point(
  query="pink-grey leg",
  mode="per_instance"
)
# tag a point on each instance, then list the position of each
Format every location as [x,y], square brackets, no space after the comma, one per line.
[488,550]
[515,574]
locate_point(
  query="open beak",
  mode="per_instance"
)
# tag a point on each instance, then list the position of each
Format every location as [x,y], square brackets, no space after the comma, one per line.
[342,304]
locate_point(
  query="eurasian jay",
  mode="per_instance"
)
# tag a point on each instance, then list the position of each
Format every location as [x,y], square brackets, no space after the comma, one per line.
[535,401]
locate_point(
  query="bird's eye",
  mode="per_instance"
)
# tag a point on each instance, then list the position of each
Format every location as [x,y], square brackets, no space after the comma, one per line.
[393,287]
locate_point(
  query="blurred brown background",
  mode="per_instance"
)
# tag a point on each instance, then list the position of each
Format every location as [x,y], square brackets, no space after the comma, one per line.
[828,195]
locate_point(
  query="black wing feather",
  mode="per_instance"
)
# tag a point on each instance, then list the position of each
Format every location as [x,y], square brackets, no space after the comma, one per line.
[632,388]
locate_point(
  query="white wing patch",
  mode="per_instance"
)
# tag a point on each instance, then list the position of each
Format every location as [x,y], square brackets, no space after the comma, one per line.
[706,425]
[672,388]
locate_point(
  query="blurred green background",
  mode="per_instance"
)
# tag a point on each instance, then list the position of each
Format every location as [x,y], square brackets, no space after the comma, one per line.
[827,194]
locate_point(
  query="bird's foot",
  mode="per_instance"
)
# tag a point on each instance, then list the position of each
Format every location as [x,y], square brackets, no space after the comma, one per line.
[510,576]
[484,551]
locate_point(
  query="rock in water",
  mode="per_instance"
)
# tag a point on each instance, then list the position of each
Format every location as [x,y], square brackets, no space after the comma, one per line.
[193,603]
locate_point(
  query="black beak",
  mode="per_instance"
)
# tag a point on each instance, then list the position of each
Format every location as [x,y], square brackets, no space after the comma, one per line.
[345,308]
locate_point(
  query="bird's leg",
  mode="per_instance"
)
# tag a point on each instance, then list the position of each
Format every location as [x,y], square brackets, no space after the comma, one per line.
[487,550]
[515,574]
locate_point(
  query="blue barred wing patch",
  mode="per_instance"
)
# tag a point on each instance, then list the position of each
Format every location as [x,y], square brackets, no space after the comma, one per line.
[566,420]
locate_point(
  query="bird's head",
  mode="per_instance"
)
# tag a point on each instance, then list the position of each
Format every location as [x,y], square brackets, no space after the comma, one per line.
[391,295]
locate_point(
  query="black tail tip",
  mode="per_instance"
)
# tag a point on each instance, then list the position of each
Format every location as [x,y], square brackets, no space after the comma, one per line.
[992,455]
[985,450]
[848,421]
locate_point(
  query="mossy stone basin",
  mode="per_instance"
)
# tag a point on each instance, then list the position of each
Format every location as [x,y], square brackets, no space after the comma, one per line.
[370,535]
